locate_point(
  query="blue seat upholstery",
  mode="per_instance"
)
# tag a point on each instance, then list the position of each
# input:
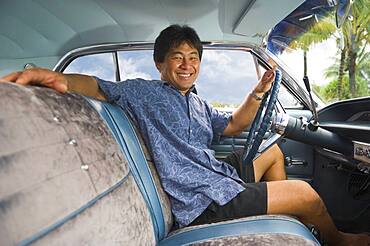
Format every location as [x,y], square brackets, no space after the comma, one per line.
[125,135]
[270,226]
[64,179]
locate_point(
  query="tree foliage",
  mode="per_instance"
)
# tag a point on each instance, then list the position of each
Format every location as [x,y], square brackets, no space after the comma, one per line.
[350,73]
[357,32]
[329,92]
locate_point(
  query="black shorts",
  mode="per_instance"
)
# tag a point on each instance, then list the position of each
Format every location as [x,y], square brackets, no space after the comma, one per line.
[251,201]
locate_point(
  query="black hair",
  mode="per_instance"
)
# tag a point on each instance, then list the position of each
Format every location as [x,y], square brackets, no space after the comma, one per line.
[174,36]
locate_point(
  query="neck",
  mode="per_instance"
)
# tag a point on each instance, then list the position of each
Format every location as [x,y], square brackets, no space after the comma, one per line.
[183,92]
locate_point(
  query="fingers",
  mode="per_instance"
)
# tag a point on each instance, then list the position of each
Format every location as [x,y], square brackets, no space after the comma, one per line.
[22,78]
[61,87]
[268,76]
[28,77]
[266,81]
[38,76]
[12,77]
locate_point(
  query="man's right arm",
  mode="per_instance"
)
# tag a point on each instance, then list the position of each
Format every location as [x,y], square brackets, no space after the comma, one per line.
[81,84]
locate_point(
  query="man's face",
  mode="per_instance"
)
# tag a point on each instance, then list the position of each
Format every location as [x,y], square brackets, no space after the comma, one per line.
[180,67]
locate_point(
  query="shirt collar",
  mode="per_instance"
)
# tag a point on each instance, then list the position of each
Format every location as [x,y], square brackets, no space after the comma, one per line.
[170,85]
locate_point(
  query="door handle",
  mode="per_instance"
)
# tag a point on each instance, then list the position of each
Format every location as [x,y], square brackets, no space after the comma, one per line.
[289,161]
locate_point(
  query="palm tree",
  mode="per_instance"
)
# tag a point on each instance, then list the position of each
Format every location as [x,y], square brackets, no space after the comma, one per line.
[342,62]
[357,33]
[319,32]
[362,75]
[350,58]
[356,36]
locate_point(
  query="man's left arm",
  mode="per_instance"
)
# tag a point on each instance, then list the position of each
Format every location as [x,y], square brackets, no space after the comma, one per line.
[245,113]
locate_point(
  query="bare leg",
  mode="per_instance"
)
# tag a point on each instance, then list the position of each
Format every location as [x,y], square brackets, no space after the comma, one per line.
[270,165]
[297,198]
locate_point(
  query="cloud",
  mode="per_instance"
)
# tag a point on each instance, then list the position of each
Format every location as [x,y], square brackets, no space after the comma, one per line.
[131,69]
[100,65]
[137,64]
[232,64]
[226,76]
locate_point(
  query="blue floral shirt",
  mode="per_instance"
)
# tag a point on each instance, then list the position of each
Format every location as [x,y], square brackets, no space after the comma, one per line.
[178,130]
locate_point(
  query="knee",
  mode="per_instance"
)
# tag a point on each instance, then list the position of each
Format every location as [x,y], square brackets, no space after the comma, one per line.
[312,201]
[278,154]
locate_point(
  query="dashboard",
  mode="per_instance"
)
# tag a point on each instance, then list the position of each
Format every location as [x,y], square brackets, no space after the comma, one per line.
[350,119]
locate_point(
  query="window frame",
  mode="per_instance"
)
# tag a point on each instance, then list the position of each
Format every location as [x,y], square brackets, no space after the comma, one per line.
[261,57]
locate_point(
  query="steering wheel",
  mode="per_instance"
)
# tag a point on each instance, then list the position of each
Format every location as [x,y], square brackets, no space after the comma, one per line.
[262,120]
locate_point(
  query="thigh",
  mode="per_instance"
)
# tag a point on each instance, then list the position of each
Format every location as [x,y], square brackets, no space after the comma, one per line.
[290,197]
[251,201]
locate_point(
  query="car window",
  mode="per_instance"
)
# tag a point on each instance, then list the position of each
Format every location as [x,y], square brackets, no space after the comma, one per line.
[137,64]
[288,100]
[99,65]
[225,78]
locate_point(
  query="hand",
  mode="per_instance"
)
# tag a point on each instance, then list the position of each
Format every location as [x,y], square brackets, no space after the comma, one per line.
[38,76]
[265,82]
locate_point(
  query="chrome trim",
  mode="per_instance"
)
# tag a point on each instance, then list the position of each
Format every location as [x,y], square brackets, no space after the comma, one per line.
[263,55]
[269,142]
[99,48]
[110,47]
[28,66]
[361,152]
[280,122]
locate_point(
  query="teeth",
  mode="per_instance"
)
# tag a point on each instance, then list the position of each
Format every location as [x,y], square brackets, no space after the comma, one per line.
[187,75]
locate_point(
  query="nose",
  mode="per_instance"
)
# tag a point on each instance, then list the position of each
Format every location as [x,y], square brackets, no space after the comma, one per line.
[185,64]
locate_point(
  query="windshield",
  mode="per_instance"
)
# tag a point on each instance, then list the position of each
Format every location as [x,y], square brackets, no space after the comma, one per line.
[336,60]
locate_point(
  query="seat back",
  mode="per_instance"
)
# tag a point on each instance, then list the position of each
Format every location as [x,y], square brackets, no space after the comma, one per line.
[64,180]
[141,165]
[163,197]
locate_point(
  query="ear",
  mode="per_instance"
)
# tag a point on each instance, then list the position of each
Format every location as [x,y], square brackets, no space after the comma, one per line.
[158,66]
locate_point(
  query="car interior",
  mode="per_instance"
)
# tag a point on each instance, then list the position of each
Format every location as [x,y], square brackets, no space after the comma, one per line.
[75,170]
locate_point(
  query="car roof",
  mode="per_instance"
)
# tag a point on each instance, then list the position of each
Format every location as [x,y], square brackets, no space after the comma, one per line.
[42,31]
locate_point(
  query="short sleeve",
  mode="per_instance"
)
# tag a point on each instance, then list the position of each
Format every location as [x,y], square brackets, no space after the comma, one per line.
[121,92]
[219,120]
[111,90]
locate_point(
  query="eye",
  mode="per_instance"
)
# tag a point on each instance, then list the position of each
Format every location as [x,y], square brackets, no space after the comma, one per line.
[177,58]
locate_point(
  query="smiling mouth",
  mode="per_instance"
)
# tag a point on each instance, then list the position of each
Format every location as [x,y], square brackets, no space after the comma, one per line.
[184,75]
